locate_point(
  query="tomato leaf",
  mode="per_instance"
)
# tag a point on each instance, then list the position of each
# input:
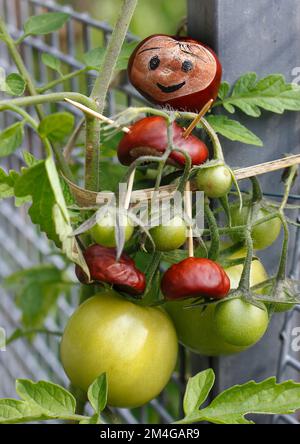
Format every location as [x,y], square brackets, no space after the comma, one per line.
[52,62]
[97,393]
[233,130]
[271,93]
[37,290]
[15,84]
[224,90]
[197,390]
[52,399]
[94,58]
[45,23]
[56,126]
[11,138]
[266,397]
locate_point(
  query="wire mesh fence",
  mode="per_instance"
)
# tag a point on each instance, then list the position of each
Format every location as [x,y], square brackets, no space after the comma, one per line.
[23,246]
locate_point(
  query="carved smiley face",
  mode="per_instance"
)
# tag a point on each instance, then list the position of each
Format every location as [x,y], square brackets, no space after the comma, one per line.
[167,70]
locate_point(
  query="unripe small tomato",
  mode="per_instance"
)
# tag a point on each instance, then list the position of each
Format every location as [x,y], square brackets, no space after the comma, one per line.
[171,236]
[240,323]
[103,267]
[135,346]
[195,277]
[264,234]
[215,182]
[103,232]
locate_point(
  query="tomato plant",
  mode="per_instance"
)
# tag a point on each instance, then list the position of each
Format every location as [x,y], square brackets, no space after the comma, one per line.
[135,346]
[103,232]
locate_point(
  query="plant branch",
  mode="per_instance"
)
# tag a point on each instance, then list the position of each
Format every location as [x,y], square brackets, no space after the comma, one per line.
[62,79]
[48,98]
[113,51]
[11,45]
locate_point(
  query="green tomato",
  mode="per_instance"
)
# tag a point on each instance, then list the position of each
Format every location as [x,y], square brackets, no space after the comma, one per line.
[264,234]
[196,328]
[240,323]
[135,346]
[215,181]
[103,233]
[169,237]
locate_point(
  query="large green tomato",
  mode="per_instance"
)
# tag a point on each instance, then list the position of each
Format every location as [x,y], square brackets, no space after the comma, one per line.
[264,234]
[196,329]
[136,346]
[169,237]
[103,233]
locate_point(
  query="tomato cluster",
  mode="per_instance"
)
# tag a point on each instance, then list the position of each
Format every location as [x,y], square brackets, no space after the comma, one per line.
[136,345]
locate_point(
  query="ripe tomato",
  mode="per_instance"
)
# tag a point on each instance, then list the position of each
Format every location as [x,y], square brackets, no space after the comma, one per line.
[103,233]
[171,236]
[264,234]
[136,346]
[215,182]
[196,329]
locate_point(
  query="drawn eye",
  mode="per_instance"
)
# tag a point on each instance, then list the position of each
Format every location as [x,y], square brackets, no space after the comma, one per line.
[154,63]
[187,66]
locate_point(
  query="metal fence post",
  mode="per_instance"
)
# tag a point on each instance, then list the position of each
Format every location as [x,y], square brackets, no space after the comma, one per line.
[261,36]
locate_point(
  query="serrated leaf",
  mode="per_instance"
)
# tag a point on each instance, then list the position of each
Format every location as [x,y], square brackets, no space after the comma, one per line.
[6,185]
[36,290]
[93,59]
[29,159]
[97,393]
[56,126]
[50,398]
[223,90]
[45,23]
[52,62]
[15,84]
[233,130]
[11,138]
[266,397]
[197,390]
[35,182]
[271,93]
[13,411]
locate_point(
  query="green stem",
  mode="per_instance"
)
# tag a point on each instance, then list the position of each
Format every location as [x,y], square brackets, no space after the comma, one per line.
[214,232]
[11,45]
[281,273]
[244,284]
[49,98]
[113,51]
[92,154]
[32,332]
[61,79]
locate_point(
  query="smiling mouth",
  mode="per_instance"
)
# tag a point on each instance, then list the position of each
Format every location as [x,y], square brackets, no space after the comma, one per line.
[170,89]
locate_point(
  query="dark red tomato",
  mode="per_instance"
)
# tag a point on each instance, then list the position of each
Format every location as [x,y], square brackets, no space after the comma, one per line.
[148,136]
[195,277]
[176,71]
[104,268]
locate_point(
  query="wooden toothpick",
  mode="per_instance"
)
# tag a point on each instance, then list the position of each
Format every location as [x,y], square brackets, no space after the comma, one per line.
[197,119]
[188,206]
[98,116]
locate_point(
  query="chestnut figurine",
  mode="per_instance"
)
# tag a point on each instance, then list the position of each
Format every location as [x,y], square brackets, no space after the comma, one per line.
[194,278]
[103,267]
[176,71]
[148,136]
